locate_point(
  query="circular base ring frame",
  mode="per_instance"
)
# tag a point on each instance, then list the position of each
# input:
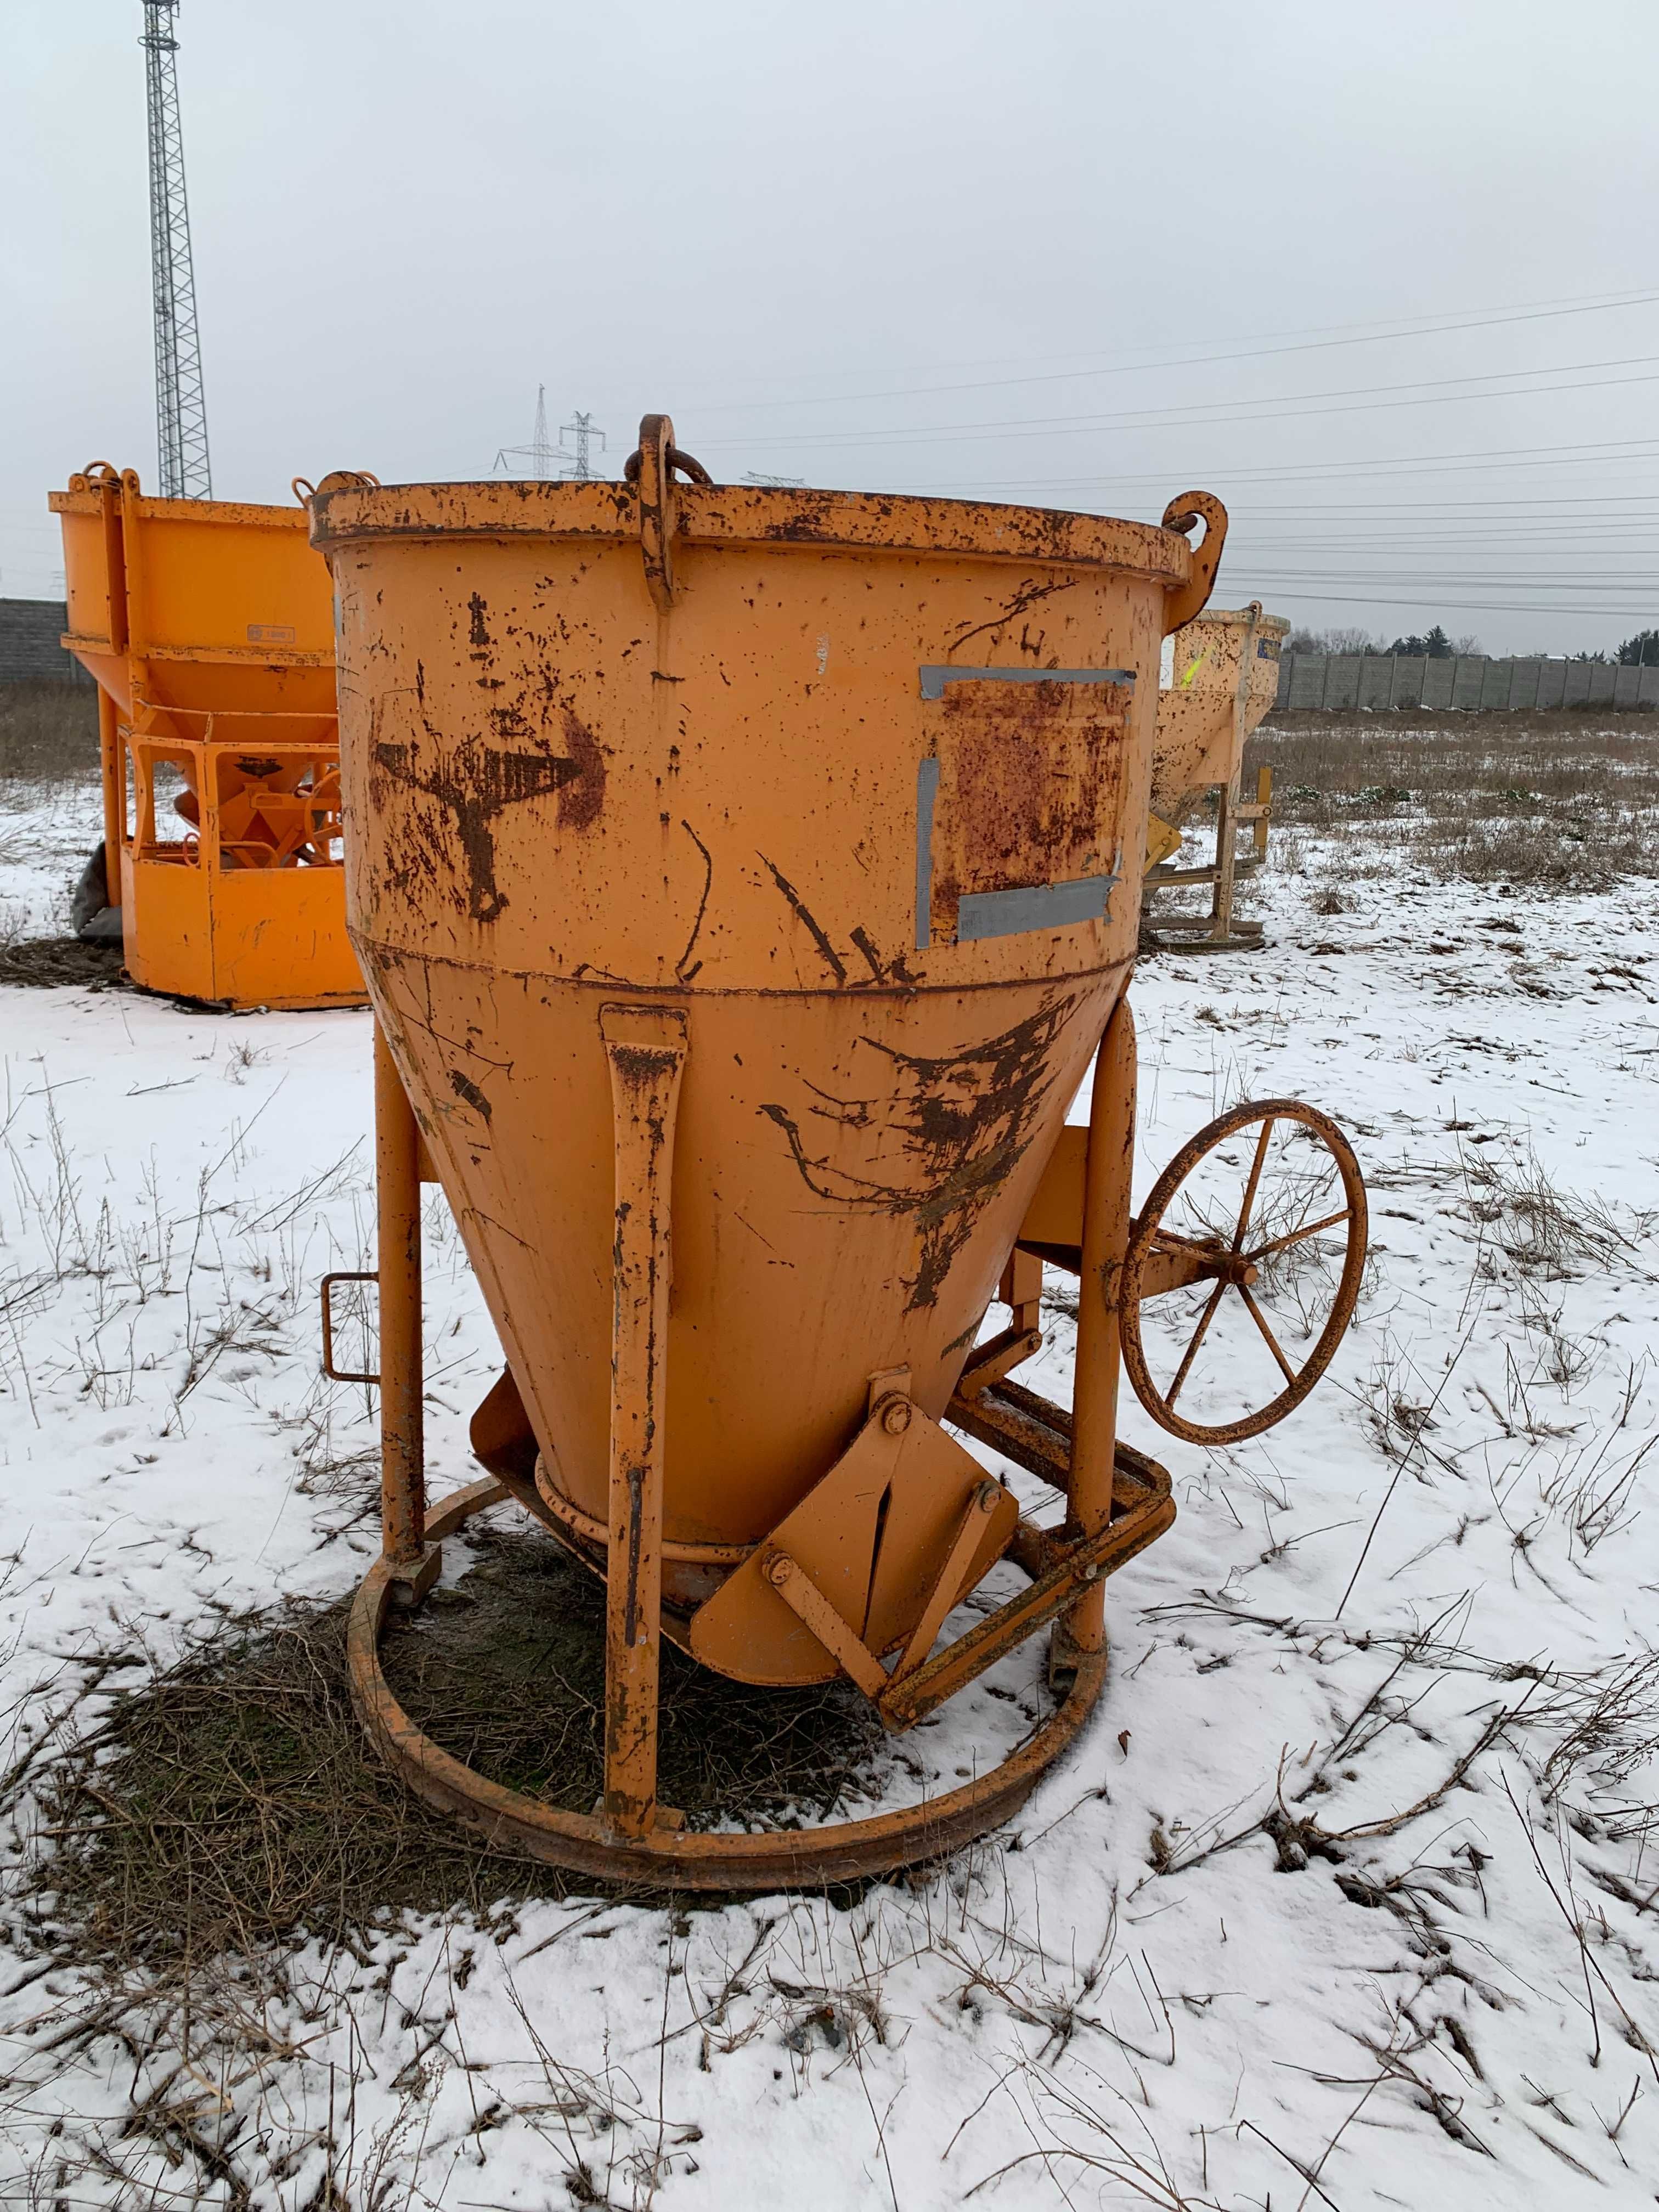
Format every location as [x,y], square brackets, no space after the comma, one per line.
[678,1858]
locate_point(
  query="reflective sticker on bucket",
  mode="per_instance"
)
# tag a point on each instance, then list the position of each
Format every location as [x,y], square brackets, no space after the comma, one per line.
[1038,905]
[927,792]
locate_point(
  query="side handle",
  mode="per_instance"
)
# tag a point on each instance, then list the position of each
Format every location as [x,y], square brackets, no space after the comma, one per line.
[332,1372]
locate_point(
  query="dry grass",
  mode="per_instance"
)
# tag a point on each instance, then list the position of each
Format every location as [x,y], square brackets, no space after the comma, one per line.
[229,1803]
[48,733]
[1542,1229]
[1547,802]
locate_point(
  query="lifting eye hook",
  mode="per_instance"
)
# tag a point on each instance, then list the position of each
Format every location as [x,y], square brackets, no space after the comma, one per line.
[650,468]
[1183,514]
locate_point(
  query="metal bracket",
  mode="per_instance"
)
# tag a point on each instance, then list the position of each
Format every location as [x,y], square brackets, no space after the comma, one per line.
[990,1362]
[808,1603]
[913,1692]
[851,1653]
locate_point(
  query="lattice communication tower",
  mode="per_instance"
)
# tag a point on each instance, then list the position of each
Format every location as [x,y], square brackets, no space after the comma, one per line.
[539,453]
[180,407]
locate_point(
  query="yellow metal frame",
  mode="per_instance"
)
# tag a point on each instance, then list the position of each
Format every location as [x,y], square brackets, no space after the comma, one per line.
[209,627]
[195,924]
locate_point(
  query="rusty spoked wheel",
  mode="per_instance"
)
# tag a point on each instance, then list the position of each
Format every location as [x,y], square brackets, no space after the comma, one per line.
[1236,1212]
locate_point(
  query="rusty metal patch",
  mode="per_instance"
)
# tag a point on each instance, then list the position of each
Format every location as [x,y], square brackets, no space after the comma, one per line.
[1016,803]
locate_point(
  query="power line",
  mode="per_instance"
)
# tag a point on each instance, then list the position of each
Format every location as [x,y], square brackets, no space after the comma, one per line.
[1620,453]
[1197,414]
[181,405]
[1624,580]
[1598,499]
[1384,337]
[1398,326]
[1459,606]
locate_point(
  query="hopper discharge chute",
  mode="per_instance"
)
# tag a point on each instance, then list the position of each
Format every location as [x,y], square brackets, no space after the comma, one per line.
[744,880]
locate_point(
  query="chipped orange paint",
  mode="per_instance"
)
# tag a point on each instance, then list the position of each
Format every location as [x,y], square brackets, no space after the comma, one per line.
[847,793]
[864,1118]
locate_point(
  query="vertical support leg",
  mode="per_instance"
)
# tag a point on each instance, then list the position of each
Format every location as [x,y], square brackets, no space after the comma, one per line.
[1226,820]
[1226,859]
[1105,1235]
[647,1048]
[115,796]
[402,1434]
[1264,800]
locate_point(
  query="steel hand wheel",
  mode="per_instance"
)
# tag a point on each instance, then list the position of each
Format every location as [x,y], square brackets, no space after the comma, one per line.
[1262,1243]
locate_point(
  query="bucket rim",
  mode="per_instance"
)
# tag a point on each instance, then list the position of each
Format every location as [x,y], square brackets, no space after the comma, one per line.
[1237,617]
[749,515]
[82,498]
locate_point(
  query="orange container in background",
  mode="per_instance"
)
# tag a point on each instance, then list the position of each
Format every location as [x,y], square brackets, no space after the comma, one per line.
[209,627]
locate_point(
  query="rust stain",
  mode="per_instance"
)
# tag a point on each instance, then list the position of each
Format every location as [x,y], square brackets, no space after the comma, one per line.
[685,968]
[1025,598]
[861,938]
[832,958]
[940,1144]
[581,800]
[882,970]
[474,782]
[464,1088]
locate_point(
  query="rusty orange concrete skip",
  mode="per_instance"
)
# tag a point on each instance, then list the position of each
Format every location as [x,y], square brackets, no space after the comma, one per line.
[209,628]
[768,863]
[1226,678]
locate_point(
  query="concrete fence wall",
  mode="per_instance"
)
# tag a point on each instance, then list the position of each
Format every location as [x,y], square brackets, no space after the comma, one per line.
[29,651]
[1378,681]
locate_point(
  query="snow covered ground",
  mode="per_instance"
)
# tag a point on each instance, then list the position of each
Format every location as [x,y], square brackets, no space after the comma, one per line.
[1347,1897]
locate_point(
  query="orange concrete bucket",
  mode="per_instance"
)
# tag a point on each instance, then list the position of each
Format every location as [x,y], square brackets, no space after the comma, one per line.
[209,628]
[1225,678]
[743,879]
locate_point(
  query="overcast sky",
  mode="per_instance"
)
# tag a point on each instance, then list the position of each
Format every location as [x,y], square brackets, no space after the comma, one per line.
[1082,255]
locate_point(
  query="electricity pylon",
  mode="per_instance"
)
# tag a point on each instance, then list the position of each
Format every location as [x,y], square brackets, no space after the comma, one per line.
[580,427]
[180,407]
